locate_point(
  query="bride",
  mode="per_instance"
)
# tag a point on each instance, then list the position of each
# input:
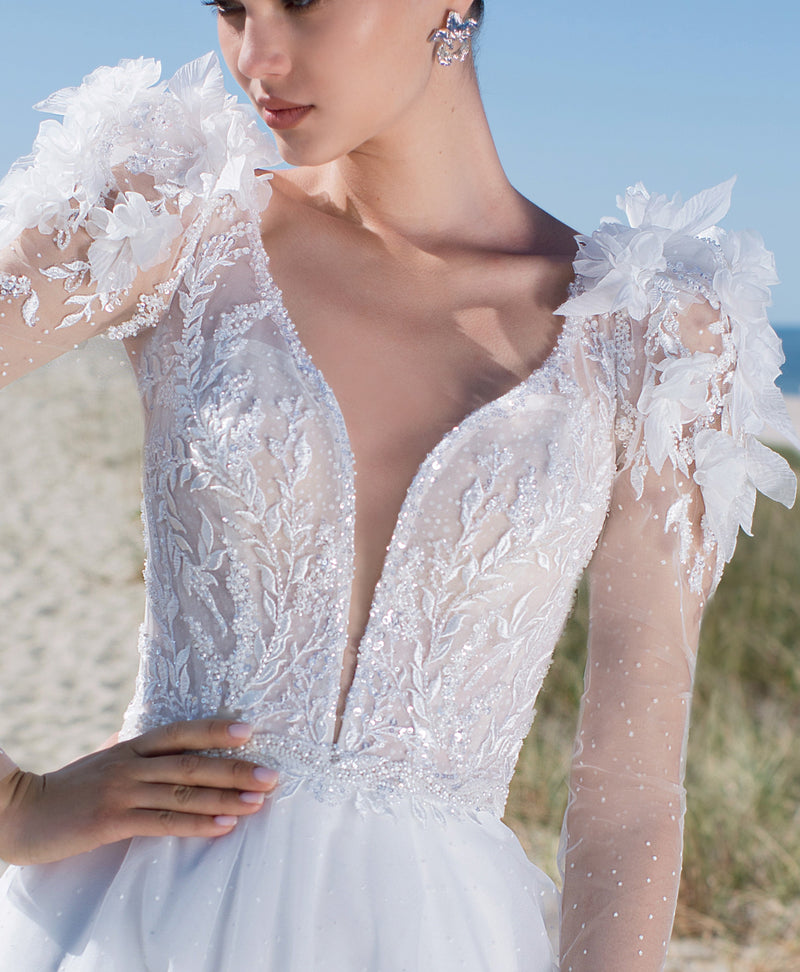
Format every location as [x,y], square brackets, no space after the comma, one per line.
[337,671]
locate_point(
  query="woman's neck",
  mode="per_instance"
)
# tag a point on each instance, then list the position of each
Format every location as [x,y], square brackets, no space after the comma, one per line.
[434,178]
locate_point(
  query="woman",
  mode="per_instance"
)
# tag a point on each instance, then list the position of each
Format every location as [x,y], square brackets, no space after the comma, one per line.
[337,673]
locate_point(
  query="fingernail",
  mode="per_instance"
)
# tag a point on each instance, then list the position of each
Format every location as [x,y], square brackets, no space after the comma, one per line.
[240,730]
[255,798]
[264,775]
[226,821]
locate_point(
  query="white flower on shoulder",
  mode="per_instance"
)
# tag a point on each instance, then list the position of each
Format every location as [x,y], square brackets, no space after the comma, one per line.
[729,473]
[624,263]
[744,282]
[216,144]
[129,238]
[233,149]
[621,264]
[108,94]
[199,87]
[31,198]
[67,174]
[679,398]
[60,149]
[691,218]
[66,159]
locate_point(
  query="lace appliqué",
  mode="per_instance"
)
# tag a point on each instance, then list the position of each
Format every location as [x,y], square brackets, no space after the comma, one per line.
[18,288]
[184,144]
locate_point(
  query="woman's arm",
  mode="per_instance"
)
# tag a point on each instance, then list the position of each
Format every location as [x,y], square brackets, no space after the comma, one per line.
[97,227]
[622,839]
[695,366]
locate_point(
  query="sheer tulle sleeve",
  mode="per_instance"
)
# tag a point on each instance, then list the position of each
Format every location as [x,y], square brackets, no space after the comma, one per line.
[96,225]
[696,361]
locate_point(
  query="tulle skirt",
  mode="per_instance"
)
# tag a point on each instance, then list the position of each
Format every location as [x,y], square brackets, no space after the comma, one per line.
[300,887]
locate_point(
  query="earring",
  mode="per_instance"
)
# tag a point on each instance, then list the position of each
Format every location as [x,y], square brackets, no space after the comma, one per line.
[454,42]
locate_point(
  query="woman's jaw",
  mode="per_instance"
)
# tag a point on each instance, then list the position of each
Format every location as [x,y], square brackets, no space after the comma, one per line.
[340,74]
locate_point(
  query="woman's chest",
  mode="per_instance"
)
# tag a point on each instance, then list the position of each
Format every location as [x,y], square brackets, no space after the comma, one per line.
[252,514]
[233,393]
[411,345]
[243,420]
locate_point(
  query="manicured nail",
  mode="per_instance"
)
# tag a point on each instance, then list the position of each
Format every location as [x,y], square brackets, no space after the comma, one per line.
[264,775]
[240,730]
[224,821]
[255,798]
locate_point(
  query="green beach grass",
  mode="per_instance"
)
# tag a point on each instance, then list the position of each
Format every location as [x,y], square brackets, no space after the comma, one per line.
[741,873]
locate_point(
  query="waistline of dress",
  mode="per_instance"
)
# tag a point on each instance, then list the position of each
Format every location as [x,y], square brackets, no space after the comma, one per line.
[377,782]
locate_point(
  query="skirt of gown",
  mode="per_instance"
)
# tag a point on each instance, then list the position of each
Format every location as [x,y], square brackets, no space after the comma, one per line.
[302,886]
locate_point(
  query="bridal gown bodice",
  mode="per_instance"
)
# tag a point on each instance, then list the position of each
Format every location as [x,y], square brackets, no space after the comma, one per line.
[249,517]
[634,446]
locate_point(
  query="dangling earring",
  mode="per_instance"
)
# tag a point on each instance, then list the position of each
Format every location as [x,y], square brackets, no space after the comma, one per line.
[454,42]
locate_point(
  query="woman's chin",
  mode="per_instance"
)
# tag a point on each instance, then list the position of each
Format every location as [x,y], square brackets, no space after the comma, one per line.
[299,149]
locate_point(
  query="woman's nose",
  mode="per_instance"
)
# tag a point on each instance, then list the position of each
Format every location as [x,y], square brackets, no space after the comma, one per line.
[264,51]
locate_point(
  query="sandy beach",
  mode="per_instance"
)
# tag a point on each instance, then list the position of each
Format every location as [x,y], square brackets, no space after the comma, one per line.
[71,590]
[71,558]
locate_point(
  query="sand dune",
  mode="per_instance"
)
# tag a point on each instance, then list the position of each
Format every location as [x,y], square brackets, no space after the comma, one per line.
[71,589]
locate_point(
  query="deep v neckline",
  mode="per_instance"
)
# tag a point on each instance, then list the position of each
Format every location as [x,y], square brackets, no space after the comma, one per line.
[539,379]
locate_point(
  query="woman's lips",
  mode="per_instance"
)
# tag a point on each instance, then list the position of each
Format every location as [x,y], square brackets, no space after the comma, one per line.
[282,115]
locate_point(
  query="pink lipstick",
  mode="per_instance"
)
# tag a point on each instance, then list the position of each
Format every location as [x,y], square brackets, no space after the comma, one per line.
[282,115]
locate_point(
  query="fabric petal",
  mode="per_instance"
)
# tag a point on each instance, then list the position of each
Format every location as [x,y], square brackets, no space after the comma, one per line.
[770,473]
[728,494]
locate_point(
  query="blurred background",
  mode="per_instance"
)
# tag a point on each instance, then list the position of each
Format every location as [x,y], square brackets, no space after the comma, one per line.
[584,101]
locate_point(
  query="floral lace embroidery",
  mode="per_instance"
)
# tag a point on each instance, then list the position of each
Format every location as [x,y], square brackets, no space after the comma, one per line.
[249,517]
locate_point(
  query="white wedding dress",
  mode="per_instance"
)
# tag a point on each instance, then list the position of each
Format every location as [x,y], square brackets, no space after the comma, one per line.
[383,850]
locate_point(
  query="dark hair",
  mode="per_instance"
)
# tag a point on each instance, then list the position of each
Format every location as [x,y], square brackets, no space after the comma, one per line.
[476,11]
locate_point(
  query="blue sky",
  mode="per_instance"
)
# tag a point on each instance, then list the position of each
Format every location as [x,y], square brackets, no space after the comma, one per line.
[584,98]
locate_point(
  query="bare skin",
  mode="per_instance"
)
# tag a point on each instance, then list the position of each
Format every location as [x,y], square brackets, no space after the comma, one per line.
[423,286]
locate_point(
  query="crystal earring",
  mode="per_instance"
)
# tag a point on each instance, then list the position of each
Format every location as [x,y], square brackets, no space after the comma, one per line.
[454,41]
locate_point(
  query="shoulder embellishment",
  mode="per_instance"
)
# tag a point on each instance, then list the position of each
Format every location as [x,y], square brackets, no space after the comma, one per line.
[619,266]
[700,408]
[184,141]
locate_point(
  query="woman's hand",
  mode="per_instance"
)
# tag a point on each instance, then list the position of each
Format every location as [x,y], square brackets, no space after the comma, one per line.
[154,785]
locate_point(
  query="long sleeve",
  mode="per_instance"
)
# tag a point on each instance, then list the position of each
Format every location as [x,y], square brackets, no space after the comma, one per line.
[695,362]
[97,224]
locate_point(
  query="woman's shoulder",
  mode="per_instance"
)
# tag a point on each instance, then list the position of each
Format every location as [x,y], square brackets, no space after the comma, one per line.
[691,296]
[106,213]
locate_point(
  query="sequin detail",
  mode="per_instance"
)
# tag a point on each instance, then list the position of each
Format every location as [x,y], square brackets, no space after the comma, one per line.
[16,288]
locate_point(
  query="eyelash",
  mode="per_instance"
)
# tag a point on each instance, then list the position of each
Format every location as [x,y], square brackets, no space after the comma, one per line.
[226,9]
[221,6]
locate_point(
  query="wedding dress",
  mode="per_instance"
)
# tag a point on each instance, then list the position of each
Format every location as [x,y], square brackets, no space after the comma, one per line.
[633,446]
